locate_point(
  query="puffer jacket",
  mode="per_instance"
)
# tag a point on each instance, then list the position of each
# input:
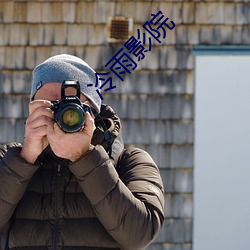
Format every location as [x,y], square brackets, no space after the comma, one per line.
[98,202]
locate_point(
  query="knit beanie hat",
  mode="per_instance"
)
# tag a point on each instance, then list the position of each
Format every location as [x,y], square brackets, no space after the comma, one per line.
[67,67]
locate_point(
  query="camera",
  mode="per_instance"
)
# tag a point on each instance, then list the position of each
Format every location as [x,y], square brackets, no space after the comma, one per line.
[70,112]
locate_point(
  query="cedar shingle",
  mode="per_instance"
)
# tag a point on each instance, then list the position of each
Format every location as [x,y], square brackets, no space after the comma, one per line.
[172,61]
[77,34]
[156,131]
[41,54]
[188,9]
[206,35]
[193,34]
[182,206]
[185,58]
[12,106]
[34,12]
[7,131]
[1,11]
[133,107]
[153,105]
[182,34]
[18,34]
[57,12]
[183,134]
[125,8]
[160,82]
[183,181]
[85,12]
[176,107]
[47,12]
[142,16]
[242,13]
[51,12]
[226,34]
[68,12]
[189,82]
[102,10]
[168,178]
[4,31]
[164,160]
[143,107]
[36,34]
[168,205]
[182,155]
[229,13]
[141,83]
[177,13]
[167,9]
[25,105]
[130,129]
[30,57]
[151,60]
[21,82]
[48,34]
[215,13]
[60,34]
[6,84]
[216,35]
[181,230]
[200,13]
[8,11]
[97,35]
[92,57]
[19,130]
[170,38]
[245,34]
[237,34]
[9,54]
[20,11]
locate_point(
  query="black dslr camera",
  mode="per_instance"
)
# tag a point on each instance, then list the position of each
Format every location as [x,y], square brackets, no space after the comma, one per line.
[70,111]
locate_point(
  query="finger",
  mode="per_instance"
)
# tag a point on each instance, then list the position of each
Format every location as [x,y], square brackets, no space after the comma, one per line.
[41,111]
[38,103]
[89,124]
[40,121]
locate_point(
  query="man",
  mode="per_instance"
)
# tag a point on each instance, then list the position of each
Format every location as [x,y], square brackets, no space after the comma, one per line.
[78,190]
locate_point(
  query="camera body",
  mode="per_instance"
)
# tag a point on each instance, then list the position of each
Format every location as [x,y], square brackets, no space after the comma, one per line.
[70,112]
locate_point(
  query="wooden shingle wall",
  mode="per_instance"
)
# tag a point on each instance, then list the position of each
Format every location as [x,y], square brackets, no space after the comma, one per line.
[155,102]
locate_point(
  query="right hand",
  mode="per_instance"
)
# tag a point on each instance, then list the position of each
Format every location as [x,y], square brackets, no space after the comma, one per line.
[35,141]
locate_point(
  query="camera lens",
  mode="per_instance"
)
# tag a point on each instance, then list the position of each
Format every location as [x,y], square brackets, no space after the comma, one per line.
[70,117]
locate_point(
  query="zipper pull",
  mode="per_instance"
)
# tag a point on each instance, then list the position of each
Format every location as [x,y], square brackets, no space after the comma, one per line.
[59,169]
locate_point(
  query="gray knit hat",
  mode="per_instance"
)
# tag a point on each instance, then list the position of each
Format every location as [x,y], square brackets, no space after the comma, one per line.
[67,67]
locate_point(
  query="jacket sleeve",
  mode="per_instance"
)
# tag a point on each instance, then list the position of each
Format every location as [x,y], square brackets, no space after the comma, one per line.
[129,205]
[15,174]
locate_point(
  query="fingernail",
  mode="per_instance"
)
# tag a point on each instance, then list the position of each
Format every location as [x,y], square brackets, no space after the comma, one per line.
[48,103]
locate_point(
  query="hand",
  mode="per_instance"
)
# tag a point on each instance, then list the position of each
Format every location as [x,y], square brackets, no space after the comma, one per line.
[35,141]
[71,146]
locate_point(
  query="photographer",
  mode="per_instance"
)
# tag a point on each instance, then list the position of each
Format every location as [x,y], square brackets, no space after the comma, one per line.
[75,189]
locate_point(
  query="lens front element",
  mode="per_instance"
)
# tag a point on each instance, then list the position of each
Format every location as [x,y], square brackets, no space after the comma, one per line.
[70,117]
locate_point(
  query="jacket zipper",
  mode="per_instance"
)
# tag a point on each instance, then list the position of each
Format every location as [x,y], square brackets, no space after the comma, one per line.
[55,237]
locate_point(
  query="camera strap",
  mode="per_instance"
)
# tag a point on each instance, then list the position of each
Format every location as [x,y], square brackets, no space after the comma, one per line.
[106,133]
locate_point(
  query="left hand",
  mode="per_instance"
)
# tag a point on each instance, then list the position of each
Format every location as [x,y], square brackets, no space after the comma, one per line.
[71,146]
